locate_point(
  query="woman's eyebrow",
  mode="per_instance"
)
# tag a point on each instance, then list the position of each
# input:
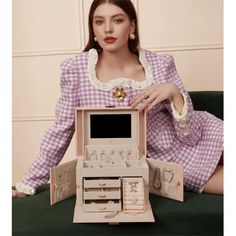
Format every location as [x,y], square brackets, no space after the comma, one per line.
[116,15]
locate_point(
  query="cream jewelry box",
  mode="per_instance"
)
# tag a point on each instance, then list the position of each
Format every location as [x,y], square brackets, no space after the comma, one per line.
[110,175]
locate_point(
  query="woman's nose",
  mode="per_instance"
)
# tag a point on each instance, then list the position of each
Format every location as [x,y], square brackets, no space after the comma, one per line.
[108,28]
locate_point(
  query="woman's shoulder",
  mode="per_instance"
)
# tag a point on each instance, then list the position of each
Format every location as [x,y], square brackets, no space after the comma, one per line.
[75,63]
[158,58]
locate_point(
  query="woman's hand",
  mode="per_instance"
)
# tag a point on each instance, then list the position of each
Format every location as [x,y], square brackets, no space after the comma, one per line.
[16,193]
[155,94]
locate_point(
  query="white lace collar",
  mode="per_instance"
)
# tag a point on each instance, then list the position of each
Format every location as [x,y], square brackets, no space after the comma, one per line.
[125,82]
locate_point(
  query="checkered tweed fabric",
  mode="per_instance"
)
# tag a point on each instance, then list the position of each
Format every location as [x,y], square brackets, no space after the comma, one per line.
[196,141]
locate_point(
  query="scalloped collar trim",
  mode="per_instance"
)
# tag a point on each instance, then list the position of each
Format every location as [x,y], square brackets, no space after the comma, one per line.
[121,81]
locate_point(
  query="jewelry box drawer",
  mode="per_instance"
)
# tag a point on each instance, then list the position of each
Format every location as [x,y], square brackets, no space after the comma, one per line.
[134,200]
[133,208]
[133,186]
[102,183]
[110,193]
[136,194]
[100,206]
[133,195]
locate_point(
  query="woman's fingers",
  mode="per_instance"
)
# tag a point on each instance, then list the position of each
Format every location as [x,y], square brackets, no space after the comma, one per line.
[149,102]
[153,95]
[16,193]
[139,98]
[145,98]
[155,101]
[146,102]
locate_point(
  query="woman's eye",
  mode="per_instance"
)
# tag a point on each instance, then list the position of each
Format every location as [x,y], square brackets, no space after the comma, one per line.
[98,22]
[118,21]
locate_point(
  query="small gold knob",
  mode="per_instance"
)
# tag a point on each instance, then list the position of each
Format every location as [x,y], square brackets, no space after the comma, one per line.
[102,208]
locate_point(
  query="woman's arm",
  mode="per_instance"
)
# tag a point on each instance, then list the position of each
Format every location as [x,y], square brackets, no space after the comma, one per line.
[173,95]
[56,139]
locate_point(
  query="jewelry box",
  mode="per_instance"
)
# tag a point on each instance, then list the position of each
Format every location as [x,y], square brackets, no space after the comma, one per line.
[111,175]
[111,172]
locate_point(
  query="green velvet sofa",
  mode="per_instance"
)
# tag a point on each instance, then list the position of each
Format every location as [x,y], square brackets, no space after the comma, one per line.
[199,214]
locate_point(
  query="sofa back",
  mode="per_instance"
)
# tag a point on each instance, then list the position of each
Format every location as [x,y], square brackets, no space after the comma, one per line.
[211,101]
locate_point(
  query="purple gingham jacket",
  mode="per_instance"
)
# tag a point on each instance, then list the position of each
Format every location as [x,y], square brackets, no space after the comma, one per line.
[195,140]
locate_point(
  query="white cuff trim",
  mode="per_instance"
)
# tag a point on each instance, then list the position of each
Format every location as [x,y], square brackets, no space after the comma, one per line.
[201,189]
[25,189]
[175,113]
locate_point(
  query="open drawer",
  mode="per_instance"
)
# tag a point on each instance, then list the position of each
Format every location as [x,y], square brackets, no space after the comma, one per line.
[101,205]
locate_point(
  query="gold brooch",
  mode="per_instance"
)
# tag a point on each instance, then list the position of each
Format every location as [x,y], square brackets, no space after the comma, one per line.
[119,94]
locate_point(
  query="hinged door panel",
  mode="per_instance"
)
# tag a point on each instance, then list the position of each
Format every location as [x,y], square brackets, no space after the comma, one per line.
[166,179]
[63,181]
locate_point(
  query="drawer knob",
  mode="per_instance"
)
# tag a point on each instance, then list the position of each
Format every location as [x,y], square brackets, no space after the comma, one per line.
[102,208]
[102,196]
[102,184]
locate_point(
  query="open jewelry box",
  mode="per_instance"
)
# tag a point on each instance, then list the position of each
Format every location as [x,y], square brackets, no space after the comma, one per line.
[111,174]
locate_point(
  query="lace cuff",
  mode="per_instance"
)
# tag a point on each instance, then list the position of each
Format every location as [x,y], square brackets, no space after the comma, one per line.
[201,189]
[175,113]
[25,189]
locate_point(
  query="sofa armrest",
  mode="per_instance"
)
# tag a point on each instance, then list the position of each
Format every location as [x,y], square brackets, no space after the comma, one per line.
[211,101]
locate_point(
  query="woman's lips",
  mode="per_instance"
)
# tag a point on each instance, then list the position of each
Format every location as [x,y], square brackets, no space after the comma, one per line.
[110,40]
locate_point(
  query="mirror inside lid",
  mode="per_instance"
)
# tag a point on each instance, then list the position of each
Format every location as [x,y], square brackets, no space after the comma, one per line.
[112,128]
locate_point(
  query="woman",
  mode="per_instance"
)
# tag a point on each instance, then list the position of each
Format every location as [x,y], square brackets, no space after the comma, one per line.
[113,70]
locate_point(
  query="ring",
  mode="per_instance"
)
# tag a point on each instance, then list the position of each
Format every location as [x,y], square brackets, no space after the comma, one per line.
[145,96]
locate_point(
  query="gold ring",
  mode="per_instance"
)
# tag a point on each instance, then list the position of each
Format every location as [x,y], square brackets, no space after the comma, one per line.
[145,96]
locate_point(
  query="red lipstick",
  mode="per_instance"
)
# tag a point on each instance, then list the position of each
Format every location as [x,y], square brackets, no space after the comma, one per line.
[110,40]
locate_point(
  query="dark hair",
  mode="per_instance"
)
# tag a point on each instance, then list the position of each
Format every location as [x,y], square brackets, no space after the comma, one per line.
[128,8]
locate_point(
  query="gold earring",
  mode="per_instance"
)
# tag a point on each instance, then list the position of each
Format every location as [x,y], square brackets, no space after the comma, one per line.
[132,36]
[95,39]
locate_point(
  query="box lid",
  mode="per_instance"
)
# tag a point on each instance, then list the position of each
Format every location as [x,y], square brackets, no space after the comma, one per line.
[110,126]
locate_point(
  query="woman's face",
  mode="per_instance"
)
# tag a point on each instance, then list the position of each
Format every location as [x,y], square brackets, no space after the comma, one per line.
[112,27]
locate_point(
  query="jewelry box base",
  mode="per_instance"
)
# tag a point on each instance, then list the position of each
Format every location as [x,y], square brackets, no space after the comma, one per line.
[100,217]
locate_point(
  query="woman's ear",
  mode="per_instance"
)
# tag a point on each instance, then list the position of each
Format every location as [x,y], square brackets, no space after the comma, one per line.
[132,26]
